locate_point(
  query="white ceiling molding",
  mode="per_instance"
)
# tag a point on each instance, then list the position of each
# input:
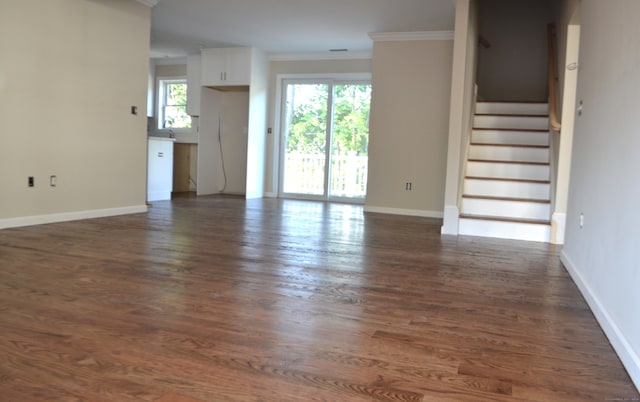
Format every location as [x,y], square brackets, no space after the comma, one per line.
[148,3]
[347,55]
[408,36]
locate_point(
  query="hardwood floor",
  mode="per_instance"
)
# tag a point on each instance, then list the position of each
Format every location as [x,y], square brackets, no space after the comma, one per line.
[222,299]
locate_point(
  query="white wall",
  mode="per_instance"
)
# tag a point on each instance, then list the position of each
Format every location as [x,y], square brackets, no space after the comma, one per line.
[514,67]
[604,255]
[409,126]
[69,73]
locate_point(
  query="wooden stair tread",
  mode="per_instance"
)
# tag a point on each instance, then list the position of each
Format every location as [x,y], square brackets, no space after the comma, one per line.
[511,115]
[514,101]
[524,130]
[484,197]
[508,179]
[508,220]
[510,145]
[510,162]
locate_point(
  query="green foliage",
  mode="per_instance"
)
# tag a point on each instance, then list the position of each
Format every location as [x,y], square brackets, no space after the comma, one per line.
[307,105]
[351,119]
[175,106]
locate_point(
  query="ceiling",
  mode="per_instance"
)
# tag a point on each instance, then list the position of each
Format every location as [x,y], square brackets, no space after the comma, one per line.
[182,27]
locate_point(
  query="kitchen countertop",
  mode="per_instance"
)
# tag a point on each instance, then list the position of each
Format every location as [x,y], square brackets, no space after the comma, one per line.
[156,137]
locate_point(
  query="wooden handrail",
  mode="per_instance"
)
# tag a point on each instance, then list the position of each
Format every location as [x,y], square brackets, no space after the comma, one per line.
[551,56]
[484,42]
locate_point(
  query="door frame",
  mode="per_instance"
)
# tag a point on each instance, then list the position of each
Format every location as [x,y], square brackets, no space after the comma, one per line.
[279,126]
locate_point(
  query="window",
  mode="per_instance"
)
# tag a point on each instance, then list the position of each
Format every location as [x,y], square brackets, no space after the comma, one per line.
[172,104]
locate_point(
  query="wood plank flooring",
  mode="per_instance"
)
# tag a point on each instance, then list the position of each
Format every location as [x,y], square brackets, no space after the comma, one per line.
[222,299]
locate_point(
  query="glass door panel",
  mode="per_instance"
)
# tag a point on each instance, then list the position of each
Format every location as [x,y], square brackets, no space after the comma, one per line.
[306,111]
[349,140]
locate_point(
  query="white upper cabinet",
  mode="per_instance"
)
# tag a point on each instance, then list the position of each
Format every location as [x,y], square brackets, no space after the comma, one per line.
[226,66]
[193,85]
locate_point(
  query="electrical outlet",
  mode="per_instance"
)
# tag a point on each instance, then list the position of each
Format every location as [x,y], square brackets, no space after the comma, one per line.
[408,186]
[31,181]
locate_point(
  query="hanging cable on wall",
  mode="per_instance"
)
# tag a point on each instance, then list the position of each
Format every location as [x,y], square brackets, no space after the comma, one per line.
[224,171]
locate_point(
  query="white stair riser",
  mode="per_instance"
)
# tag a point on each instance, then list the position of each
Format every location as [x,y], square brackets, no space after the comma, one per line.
[508,171]
[518,122]
[511,108]
[506,153]
[509,137]
[505,230]
[506,189]
[506,209]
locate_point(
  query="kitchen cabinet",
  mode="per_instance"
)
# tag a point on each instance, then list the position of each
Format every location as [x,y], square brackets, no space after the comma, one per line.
[226,67]
[239,108]
[194,76]
[160,168]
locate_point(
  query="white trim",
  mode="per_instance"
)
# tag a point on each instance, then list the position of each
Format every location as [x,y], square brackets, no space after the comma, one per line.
[348,55]
[148,3]
[408,36]
[270,195]
[450,224]
[70,216]
[402,211]
[629,357]
[364,76]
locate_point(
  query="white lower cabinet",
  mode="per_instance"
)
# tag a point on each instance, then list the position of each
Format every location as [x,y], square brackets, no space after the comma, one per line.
[160,169]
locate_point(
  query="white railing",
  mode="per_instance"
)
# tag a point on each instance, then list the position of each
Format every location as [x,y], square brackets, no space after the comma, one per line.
[304,174]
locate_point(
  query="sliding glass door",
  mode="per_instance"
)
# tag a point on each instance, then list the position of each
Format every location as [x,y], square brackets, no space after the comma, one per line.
[325,139]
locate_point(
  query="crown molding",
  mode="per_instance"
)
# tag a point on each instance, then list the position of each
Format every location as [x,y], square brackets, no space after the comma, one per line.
[408,36]
[148,3]
[349,55]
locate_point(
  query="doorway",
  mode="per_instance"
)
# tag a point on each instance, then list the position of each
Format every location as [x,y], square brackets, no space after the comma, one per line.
[325,139]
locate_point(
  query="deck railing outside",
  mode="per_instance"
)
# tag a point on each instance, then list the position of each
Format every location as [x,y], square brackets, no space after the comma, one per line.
[305,175]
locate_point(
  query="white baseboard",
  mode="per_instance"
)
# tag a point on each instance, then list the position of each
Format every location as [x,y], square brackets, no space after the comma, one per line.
[70,216]
[628,355]
[271,195]
[401,211]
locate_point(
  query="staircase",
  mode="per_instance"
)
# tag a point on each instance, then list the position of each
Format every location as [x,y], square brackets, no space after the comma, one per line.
[507,189]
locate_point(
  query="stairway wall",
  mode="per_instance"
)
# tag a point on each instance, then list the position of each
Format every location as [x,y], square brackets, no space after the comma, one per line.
[514,67]
[603,254]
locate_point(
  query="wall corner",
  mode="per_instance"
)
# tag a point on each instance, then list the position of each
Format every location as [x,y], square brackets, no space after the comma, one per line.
[450,220]
[558,222]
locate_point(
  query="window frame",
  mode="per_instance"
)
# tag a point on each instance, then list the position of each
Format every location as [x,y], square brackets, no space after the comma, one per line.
[331,80]
[161,92]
